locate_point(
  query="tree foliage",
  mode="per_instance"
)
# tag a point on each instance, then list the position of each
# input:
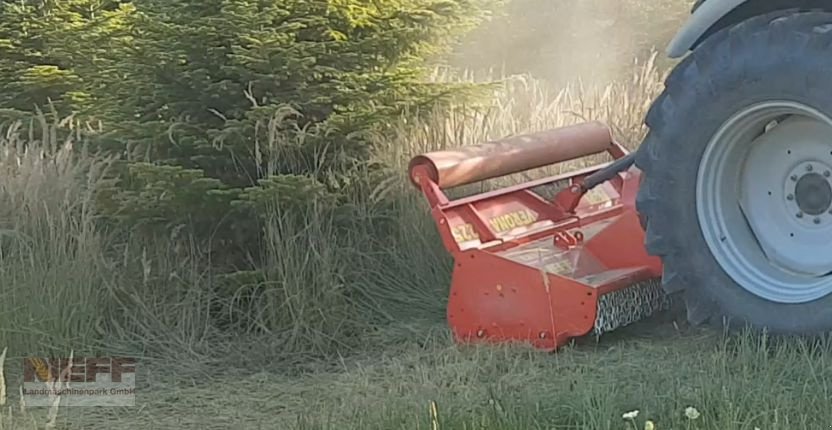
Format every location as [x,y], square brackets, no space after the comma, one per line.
[55,52]
[245,89]
[219,108]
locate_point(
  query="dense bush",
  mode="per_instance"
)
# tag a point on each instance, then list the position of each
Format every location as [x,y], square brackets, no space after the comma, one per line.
[231,121]
[248,88]
[203,100]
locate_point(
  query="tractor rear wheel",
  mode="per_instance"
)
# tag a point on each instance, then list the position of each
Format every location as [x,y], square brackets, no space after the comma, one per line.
[737,164]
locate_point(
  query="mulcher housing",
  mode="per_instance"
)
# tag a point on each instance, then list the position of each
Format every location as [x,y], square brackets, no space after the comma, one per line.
[536,262]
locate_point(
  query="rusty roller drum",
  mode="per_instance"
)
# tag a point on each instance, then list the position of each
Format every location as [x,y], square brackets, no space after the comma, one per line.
[469,164]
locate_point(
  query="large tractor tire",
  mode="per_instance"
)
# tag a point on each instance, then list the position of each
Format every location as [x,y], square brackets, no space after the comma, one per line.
[737,188]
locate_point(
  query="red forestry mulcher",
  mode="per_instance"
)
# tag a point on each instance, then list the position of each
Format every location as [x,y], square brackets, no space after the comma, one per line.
[727,203]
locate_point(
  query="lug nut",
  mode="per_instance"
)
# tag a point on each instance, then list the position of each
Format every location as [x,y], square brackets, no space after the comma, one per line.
[809,168]
[827,173]
[790,197]
[799,215]
[793,178]
[816,220]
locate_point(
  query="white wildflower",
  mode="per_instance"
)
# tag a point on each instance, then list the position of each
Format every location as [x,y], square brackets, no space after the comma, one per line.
[691,413]
[630,415]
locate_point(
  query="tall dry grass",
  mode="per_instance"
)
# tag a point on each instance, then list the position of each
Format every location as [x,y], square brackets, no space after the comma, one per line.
[70,282]
[52,272]
[522,104]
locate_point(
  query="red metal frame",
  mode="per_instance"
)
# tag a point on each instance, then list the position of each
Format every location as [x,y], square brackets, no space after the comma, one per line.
[495,297]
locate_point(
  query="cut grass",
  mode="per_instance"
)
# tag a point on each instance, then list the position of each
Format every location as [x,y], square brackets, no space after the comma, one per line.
[736,382]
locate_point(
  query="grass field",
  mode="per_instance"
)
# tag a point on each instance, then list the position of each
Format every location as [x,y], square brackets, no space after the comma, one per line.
[356,336]
[659,368]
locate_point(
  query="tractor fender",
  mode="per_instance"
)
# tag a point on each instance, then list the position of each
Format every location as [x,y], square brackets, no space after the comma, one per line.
[705,15]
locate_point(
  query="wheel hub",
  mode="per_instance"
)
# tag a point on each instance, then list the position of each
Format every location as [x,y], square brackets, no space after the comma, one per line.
[808,192]
[813,193]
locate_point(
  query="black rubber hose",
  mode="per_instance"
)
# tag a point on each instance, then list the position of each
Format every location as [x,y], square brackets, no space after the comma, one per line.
[609,172]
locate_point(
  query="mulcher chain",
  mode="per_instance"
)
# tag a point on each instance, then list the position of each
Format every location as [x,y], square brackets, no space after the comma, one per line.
[629,305]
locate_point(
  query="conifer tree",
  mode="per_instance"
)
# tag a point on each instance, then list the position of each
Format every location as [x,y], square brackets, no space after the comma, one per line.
[246,88]
[54,53]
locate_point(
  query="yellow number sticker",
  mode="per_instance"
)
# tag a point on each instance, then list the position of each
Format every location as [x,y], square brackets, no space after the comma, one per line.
[500,224]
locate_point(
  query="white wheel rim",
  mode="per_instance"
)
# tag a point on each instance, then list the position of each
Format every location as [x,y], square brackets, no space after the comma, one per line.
[764,201]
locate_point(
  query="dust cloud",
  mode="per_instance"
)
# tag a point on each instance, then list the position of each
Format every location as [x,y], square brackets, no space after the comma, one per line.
[563,40]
